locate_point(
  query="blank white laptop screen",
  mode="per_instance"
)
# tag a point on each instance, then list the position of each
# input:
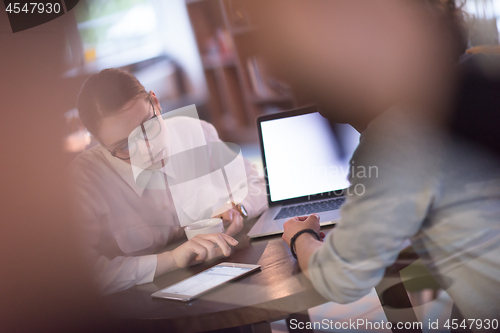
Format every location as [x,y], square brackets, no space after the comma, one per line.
[304,157]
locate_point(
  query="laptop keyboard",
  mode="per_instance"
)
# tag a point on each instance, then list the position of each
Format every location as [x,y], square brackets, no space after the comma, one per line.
[309,208]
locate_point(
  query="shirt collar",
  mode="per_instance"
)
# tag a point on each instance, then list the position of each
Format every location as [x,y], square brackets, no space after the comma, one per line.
[124,169]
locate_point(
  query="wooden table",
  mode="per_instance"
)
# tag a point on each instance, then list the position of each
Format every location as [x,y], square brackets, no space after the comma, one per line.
[276,292]
[279,291]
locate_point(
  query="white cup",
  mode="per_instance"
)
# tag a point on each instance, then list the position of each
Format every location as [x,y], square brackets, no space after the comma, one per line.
[208,226]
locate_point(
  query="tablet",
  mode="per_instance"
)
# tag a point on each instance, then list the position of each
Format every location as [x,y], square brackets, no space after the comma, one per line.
[205,281]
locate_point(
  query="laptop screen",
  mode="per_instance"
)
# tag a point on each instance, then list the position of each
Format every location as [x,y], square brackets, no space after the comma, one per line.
[305,155]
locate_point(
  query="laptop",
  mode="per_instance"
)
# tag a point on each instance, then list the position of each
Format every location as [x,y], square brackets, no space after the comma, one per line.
[306,161]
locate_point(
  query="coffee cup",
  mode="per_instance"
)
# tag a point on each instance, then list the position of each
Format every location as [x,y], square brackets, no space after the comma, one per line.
[208,226]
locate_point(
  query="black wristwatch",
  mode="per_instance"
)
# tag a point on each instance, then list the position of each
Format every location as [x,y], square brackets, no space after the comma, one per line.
[294,239]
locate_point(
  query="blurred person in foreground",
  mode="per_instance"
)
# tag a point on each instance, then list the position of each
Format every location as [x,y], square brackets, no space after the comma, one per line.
[388,69]
[129,218]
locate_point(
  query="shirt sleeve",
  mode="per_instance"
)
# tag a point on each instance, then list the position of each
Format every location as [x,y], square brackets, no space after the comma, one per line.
[392,189]
[122,273]
[111,274]
[256,201]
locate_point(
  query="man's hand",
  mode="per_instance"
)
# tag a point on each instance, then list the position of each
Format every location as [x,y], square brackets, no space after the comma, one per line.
[304,246]
[298,223]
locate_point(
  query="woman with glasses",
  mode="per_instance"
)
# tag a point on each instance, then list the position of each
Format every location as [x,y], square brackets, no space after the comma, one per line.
[127,218]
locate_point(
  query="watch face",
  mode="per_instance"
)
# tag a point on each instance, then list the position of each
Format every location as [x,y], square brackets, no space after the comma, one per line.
[243,211]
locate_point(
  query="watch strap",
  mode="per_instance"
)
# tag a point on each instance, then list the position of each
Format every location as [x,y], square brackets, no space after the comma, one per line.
[294,239]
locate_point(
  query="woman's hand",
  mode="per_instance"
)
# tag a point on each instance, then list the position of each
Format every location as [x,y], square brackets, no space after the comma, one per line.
[231,218]
[202,248]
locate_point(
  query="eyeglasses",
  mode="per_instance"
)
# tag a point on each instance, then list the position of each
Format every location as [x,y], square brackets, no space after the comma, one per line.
[147,131]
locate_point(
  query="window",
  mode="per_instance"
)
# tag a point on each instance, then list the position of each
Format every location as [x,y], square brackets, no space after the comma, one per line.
[108,28]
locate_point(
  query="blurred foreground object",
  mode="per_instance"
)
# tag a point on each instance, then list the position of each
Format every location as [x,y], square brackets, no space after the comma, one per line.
[358,58]
[45,286]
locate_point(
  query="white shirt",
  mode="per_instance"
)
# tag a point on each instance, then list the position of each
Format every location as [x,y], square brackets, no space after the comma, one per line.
[441,193]
[125,224]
